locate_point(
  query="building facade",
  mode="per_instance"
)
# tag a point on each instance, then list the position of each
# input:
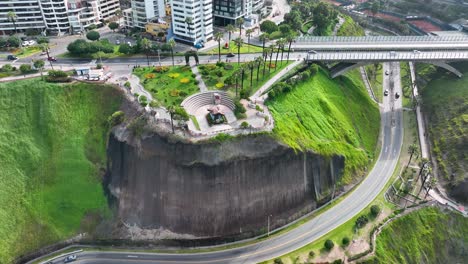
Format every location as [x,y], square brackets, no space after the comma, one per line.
[56,16]
[192,21]
[228,11]
[144,11]
[28,15]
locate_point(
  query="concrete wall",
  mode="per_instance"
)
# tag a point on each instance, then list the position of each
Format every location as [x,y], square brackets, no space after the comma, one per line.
[216,189]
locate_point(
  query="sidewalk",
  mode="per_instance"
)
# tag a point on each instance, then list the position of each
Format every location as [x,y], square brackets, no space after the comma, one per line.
[201,83]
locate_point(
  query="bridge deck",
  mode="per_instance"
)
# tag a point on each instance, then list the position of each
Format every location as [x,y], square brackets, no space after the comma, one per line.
[388,56]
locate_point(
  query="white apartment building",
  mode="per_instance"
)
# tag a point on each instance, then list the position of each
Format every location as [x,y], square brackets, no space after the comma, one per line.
[228,11]
[144,11]
[201,13]
[28,15]
[57,16]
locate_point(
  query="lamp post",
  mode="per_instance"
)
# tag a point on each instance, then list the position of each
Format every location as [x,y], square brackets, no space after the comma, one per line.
[268,230]
[159,56]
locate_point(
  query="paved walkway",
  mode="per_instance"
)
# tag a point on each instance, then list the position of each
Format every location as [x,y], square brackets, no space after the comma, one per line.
[201,83]
[258,94]
[367,83]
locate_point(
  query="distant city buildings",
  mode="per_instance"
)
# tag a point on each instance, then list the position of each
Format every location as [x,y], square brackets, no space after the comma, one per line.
[56,16]
[228,11]
[192,21]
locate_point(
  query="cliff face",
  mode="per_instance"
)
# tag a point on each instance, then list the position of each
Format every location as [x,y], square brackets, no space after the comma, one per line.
[216,189]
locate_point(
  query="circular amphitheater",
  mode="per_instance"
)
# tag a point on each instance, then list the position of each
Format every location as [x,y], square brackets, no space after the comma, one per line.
[198,104]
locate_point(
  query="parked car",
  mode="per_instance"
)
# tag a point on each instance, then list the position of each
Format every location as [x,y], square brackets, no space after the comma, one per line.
[397,95]
[12,57]
[386,92]
[230,55]
[52,59]
[70,258]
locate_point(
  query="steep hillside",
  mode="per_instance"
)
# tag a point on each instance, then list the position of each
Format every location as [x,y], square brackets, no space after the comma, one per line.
[445,102]
[52,151]
[425,236]
[330,117]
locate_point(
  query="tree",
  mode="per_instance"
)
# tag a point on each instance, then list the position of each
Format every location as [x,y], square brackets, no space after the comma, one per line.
[7,68]
[375,210]
[12,17]
[258,61]
[42,40]
[322,17]
[146,47]
[218,36]
[172,44]
[285,29]
[289,39]
[125,48]
[264,38]
[345,241]
[189,22]
[412,149]
[113,26]
[240,22]
[294,19]
[430,186]
[14,41]
[361,221]
[177,113]
[93,35]
[375,6]
[279,44]
[248,33]
[230,29]
[328,245]
[270,51]
[238,43]
[268,26]
[39,64]
[25,68]
[91,27]
[251,65]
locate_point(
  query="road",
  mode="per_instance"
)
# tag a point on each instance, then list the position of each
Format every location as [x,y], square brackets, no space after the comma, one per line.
[355,202]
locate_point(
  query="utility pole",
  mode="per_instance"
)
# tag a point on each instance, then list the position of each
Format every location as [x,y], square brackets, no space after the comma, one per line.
[268,230]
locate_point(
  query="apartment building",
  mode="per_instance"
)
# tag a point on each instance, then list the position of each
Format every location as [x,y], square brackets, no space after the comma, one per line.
[144,11]
[56,16]
[200,13]
[28,15]
[228,11]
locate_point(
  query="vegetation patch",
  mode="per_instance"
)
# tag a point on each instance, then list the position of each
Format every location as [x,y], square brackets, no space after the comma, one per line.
[169,85]
[330,117]
[52,150]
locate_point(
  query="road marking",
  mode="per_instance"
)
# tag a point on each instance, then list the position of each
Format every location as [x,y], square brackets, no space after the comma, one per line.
[132,256]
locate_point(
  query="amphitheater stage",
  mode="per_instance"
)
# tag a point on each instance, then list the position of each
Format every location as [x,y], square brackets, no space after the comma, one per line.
[200,115]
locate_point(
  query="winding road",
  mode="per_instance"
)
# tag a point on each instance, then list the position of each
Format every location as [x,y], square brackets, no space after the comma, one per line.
[363,195]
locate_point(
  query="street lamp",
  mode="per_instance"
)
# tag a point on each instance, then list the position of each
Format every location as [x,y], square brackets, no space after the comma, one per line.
[268,230]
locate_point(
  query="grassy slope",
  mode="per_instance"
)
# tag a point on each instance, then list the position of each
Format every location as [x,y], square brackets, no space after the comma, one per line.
[329,116]
[424,236]
[445,100]
[350,28]
[52,145]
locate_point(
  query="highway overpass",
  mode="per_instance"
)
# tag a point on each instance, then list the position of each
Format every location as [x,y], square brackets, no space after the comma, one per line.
[352,52]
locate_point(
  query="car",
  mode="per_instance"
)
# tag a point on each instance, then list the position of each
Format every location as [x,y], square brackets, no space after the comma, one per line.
[386,92]
[397,95]
[387,72]
[12,57]
[70,258]
[230,55]
[52,59]
[25,43]
[32,42]
[416,51]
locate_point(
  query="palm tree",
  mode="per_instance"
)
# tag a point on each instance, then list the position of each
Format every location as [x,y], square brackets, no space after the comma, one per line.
[430,186]
[238,43]
[412,149]
[283,43]
[264,38]
[427,172]
[230,29]
[12,17]
[242,76]
[251,66]
[146,47]
[218,36]
[279,43]
[258,61]
[172,44]
[248,33]
[189,22]
[240,21]
[270,51]
[289,39]
[171,111]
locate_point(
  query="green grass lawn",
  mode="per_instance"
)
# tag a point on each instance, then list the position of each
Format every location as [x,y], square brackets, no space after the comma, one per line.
[210,77]
[329,117]
[425,236]
[171,87]
[246,48]
[406,85]
[350,28]
[28,51]
[52,150]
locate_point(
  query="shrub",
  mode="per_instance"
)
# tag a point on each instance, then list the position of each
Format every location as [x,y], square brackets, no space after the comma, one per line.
[25,68]
[272,94]
[127,84]
[193,75]
[116,118]
[125,48]
[345,241]
[268,26]
[7,68]
[14,41]
[375,210]
[272,65]
[258,108]
[328,244]
[243,94]
[196,82]
[174,75]
[230,80]
[278,261]
[92,27]
[220,64]
[183,94]
[42,40]
[184,80]
[244,125]
[57,74]
[218,73]
[228,67]
[337,261]
[93,35]
[219,85]
[154,103]
[150,76]
[174,93]
[161,69]
[311,254]
[361,221]
[99,66]
[137,126]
